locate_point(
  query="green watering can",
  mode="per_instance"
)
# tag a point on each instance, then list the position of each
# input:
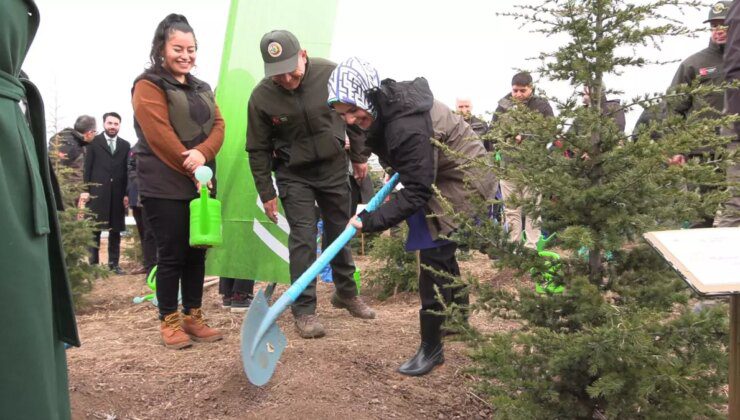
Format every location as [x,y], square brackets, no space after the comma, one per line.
[205,214]
[552,264]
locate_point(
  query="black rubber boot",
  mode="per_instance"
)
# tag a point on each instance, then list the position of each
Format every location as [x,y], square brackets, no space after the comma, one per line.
[430,353]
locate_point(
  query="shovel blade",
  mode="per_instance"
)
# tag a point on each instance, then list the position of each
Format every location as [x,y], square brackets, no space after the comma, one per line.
[259,365]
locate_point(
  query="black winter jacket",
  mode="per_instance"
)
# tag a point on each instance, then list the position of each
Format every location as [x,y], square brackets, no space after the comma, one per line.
[400,136]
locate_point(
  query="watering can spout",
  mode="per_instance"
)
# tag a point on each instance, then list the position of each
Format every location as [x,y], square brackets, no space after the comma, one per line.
[543,241]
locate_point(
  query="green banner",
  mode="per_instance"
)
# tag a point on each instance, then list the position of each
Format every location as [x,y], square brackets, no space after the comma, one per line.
[254,247]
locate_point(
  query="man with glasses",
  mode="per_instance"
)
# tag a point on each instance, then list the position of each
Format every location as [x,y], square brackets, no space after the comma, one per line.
[704,68]
[292,130]
[521,94]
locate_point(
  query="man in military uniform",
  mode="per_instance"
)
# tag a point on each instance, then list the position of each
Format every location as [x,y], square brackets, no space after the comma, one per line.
[729,215]
[705,68]
[292,131]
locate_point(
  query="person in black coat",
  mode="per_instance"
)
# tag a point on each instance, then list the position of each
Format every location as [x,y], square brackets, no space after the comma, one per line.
[146,234]
[401,119]
[105,169]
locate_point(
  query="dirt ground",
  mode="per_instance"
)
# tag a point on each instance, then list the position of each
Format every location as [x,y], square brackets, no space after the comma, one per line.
[122,371]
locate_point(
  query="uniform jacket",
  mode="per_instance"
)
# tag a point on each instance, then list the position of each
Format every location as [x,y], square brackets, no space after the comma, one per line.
[295,131]
[70,147]
[408,118]
[732,63]
[106,174]
[707,68]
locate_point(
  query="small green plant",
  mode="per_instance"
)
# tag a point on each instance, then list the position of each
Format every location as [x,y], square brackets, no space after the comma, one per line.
[394,269]
[77,227]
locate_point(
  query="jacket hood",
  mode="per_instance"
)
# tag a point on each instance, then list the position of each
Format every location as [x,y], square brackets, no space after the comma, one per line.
[394,100]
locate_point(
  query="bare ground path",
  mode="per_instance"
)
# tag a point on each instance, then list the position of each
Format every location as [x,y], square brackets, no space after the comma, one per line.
[123,372]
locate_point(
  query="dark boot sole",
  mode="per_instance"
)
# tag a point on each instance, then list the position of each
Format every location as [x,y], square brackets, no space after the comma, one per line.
[178,346]
[423,372]
[310,336]
[341,305]
[206,339]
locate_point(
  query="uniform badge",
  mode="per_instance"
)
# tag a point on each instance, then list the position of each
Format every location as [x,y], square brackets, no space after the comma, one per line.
[718,8]
[274,49]
[706,71]
[279,119]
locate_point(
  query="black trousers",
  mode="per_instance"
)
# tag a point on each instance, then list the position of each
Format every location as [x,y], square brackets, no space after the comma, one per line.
[114,248]
[441,259]
[178,264]
[227,286]
[146,235]
[332,195]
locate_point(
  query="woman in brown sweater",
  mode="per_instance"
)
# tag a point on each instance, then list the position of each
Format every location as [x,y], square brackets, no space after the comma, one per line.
[180,129]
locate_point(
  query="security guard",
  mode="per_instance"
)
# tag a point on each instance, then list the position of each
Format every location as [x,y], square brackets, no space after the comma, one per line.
[705,68]
[292,131]
[729,216]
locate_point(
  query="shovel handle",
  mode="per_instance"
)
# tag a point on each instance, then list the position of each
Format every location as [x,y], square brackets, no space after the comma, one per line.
[295,290]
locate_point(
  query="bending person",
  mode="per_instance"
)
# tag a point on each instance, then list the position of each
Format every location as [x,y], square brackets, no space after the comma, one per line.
[401,119]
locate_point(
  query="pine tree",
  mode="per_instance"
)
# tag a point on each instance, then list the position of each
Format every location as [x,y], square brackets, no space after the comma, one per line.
[77,227]
[394,269]
[621,341]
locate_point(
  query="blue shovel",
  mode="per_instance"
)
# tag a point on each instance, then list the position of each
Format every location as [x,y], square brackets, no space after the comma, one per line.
[262,340]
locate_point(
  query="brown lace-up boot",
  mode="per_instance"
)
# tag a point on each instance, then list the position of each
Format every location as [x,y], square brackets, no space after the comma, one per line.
[194,324]
[173,335]
[309,326]
[355,305]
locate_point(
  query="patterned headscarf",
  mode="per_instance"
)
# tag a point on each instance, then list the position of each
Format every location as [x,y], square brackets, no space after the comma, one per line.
[351,80]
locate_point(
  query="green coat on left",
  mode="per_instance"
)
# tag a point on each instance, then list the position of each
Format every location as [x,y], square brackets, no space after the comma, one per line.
[35,300]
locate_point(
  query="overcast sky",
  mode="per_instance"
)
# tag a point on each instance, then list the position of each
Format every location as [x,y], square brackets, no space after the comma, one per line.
[88,52]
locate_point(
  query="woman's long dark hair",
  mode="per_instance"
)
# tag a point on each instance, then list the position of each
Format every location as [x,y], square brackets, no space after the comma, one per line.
[173,22]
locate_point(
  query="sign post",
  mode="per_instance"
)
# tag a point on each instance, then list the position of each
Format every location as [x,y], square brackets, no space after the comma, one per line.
[709,261]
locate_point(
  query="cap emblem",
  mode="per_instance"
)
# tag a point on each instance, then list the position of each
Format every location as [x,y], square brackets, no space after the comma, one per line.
[274,49]
[718,8]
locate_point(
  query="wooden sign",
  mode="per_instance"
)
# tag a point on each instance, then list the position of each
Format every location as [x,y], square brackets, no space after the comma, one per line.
[707,259]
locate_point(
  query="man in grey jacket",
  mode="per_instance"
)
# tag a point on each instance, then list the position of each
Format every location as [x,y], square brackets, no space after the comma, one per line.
[521,94]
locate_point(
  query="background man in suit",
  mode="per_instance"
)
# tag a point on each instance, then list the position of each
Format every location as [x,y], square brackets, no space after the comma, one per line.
[105,168]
